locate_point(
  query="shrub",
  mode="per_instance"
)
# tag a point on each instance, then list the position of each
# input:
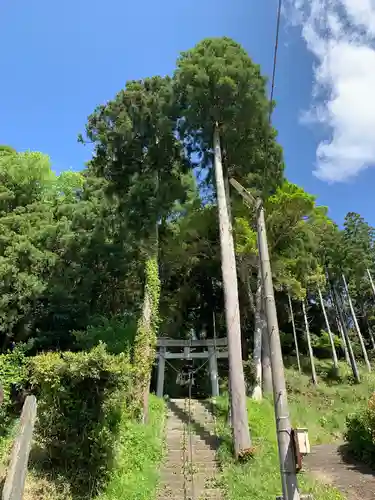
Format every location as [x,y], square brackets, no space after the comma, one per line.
[322,344]
[117,333]
[80,400]
[360,433]
[13,376]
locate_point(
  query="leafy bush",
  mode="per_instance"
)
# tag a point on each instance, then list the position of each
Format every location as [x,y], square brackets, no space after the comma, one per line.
[80,400]
[360,433]
[322,344]
[117,333]
[13,376]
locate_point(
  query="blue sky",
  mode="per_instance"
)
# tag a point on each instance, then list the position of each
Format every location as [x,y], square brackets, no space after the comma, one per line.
[60,60]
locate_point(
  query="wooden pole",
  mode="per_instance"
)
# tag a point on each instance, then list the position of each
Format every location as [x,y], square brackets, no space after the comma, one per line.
[258,330]
[267,385]
[240,424]
[284,435]
[17,470]
[285,443]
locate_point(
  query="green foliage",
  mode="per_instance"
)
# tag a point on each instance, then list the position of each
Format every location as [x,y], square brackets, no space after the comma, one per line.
[13,377]
[329,403]
[117,333]
[259,478]
[139,453]
[4,149]
[148,324]
[294,236]
[153,291]
[216,81]
[246,237]
[322,344]
[360,433]
[250,374]
[24,178]
[80,399]
[137,152]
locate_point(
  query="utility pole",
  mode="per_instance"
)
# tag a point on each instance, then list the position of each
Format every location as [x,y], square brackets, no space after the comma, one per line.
[356,325]
[240,423]
[283,427]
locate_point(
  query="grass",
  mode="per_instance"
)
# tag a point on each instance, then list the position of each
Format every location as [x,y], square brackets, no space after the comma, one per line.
[6,443]
[139,454]
[321,409]
[135,474]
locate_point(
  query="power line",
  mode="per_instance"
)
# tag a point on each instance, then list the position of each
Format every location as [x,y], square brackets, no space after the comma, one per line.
[275,59]
[275,53]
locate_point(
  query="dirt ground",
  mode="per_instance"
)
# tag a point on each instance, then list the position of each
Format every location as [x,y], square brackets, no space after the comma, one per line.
[330,464]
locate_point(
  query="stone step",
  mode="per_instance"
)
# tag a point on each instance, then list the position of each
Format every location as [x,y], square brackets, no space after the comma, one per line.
[191,454]
[181,494]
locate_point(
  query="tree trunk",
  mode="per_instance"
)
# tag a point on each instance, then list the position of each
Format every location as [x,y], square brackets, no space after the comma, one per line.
[371,335]
[331,339]
[257,359]
[146,336]
[339,309]
[364,351]
[294,332]
[311,354]
[148,352]
[240,424]
[144,352]
[373,292]
[344,346]
[371,282]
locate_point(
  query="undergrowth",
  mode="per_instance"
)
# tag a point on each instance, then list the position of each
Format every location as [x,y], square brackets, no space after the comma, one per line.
[322,409]
[134,476]
[139,452]
[260,477]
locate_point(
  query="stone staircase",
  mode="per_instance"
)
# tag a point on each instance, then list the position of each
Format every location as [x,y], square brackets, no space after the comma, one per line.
[186,477]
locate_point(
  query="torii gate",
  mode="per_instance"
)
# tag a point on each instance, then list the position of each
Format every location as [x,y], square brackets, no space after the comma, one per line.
[210,353]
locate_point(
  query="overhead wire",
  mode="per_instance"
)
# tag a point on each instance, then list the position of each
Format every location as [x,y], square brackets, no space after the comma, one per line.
[270,110]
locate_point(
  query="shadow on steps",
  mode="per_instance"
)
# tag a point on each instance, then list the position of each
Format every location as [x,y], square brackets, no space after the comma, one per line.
[210,439]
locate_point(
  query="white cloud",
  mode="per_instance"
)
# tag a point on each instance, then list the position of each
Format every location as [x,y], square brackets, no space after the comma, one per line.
[341,35]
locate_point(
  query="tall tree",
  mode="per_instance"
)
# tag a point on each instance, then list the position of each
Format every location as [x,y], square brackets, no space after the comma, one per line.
[137,152]
[212,82]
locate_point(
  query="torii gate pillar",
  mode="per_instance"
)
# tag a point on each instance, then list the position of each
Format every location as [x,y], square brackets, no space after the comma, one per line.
[161,372]
[213,372]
